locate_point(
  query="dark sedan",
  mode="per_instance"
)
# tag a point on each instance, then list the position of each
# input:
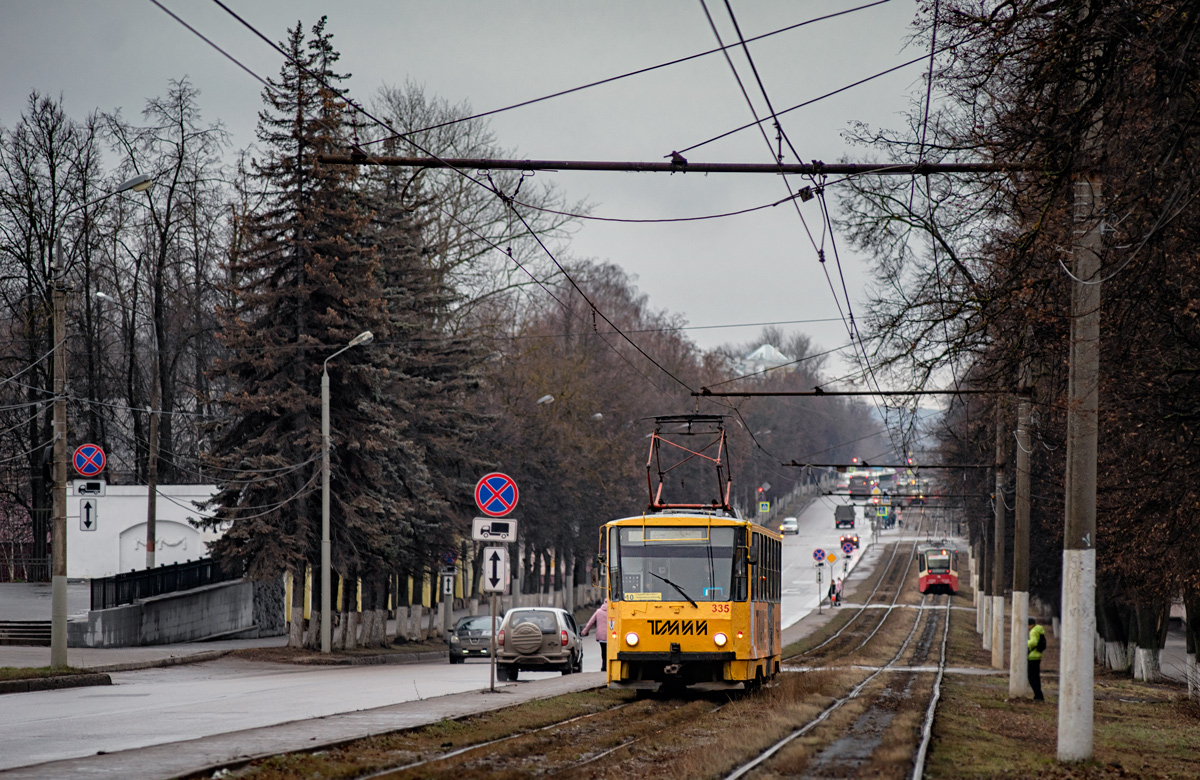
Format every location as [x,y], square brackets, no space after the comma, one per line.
[471,638]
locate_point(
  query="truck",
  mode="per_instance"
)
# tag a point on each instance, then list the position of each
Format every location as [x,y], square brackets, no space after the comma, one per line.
[843,516]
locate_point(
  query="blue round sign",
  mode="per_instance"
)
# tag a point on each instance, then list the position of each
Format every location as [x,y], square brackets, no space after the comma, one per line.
[88,460]
[818,554]
[848,547]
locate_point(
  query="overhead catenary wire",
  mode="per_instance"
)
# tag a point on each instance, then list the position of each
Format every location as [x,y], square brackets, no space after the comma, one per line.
[611,79]
[782,134]
[830,94]
[354,105]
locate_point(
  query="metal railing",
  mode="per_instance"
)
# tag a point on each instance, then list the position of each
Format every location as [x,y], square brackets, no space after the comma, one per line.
[25,569]
[127,588]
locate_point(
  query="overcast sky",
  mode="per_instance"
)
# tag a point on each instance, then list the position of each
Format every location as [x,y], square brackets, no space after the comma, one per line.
[762,267]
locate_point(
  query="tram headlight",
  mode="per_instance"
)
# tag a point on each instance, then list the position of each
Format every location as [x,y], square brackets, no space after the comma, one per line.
[631,639]
[720,639]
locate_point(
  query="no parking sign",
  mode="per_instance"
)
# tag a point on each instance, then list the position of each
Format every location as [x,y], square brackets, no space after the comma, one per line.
[88,460]
[496,494]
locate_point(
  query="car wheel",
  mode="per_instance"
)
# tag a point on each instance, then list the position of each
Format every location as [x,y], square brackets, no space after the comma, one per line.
[512,673]
[455,659]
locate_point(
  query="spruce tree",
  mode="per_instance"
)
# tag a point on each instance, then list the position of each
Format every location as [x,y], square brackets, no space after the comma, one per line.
[330,254]
[302,287]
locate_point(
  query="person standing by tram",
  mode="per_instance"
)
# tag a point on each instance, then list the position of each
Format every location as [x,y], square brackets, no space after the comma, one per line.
[1037,643]
[599,619]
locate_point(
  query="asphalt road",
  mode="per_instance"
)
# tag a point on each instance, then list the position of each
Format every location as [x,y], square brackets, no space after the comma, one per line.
[816,531]
[159,706]
[169,705]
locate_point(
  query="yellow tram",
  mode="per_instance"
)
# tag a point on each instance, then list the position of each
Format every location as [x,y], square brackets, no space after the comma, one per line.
[693,589]
[693,599]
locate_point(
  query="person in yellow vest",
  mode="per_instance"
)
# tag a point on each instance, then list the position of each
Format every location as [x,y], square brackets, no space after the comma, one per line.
[1037,643]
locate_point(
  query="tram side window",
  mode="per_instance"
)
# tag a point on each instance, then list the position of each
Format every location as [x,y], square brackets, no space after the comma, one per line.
[756,584]
[777,572]
[741,570]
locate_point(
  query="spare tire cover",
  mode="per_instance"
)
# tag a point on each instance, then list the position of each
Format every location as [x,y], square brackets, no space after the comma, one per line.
[527,638]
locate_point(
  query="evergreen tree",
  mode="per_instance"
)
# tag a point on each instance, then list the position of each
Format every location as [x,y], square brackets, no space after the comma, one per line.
[327,256]
[302,287]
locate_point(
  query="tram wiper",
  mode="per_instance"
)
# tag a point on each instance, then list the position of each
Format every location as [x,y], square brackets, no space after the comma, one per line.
[682,592]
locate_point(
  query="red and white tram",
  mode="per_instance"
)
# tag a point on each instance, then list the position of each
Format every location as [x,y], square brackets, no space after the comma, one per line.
[937,569]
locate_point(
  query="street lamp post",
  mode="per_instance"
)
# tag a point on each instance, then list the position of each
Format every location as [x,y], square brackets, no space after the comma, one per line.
[58,524]
[326,545]
[152,445]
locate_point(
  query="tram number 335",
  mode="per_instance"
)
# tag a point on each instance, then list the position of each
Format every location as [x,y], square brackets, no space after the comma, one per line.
[720,607]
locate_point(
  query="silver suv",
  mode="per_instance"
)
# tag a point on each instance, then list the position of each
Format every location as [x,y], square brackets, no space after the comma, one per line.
[538,639]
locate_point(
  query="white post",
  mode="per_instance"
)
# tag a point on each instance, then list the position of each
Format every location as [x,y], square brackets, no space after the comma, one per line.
[326,544]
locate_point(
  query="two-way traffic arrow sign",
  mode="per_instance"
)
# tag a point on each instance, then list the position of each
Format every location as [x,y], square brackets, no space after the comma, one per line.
[495,569]
[87,514]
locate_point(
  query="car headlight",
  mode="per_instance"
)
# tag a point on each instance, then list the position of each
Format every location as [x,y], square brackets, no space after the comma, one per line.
[631,639]
[720,639]
[453,638]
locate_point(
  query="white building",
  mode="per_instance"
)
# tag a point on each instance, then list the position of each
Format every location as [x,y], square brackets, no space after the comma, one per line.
[106,534]
[765,357]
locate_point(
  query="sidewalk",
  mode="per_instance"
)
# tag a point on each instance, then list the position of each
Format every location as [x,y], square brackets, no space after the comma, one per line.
[123,659]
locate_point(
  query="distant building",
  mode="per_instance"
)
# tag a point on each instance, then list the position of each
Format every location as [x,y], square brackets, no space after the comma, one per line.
[763,358]
[106,534]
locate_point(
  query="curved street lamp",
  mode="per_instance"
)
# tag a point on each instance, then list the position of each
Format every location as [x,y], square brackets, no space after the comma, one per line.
[152,449]
[366,337]
[58,522]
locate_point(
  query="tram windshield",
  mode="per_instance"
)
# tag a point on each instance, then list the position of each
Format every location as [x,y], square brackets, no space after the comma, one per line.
[938,561]
[672,563]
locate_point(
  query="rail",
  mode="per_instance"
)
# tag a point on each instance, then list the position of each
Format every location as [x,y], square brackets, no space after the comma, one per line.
[129,587]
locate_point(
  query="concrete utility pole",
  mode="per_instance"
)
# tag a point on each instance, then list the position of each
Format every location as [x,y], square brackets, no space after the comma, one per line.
[58,527]
[1018,672]
[1076,675]
[152,456]
[985,570]
[999,535]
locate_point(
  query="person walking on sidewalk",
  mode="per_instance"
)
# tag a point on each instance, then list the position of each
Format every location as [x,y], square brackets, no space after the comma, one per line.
[837,594]
[1037,643]
[599,620]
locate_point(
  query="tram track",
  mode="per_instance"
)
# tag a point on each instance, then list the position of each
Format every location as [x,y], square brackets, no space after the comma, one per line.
[866,622]
[845,720]
[560,748]
[883,700]
[389,771]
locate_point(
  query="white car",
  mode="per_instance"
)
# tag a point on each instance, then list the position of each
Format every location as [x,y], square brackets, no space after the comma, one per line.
[789,526]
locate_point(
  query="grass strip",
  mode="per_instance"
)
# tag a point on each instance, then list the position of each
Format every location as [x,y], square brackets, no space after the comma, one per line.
[38,672]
